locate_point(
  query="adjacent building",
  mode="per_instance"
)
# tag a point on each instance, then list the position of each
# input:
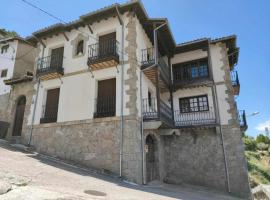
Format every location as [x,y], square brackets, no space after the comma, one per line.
[113,91]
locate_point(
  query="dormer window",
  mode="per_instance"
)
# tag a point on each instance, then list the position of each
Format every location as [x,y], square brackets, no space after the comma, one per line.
[4,49]
[79,50]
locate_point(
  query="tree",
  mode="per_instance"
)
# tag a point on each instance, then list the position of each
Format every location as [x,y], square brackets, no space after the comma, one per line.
[9,33]
[262,138]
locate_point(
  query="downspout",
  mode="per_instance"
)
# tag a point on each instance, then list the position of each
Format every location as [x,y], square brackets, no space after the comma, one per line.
[122,91]
[141,99]
[214,92]
[35,106]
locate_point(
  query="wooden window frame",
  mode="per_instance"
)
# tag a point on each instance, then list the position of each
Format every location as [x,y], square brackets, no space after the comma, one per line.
[190,109]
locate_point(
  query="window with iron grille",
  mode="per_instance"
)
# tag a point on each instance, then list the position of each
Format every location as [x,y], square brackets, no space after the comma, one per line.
[4,49]
[193,104]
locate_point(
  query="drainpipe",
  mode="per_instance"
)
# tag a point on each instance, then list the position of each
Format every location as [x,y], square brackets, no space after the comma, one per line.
[122,90]
[35,106]
[217,114]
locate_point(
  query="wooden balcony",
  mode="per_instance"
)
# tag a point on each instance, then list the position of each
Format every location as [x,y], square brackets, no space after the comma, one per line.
[162,68]
[242,120]
[103,54]
[50,67]
[235,82]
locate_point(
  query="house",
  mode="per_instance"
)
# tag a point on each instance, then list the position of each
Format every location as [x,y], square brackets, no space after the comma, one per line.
[17,58]
[114,92]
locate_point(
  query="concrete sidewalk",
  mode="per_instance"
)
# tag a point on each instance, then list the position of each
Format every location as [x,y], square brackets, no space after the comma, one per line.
[36,177]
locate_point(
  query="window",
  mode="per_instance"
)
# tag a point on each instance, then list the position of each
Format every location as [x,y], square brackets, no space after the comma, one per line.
[191,70]
[193,104]
[50,110]
[4,49]
[79,50]
[149,99]
[4,73]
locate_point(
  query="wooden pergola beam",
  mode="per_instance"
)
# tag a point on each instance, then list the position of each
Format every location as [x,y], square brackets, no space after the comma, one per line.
[66,37]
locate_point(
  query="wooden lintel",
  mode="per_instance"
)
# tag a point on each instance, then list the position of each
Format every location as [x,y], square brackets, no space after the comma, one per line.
[66,37]
[90,29]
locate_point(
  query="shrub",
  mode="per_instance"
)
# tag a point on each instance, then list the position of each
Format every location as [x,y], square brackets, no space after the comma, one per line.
[250,143]
[262,146]
[262,138]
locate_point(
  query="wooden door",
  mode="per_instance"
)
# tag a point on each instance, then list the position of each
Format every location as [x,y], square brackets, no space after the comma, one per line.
[51,109]
[57,58]
[106,99]
[18,121]
[107,44]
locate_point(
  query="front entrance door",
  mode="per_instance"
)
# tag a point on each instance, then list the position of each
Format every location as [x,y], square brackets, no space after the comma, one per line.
[151,159]
[18,121]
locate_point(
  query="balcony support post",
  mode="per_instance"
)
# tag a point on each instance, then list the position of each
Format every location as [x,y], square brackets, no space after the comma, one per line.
[158,91]
[170,88]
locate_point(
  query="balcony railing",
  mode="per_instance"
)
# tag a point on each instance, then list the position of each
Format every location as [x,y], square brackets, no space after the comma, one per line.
[148,59]
[50,64]
[49,114]
[200,118]
[242,120]
[151,111]
[150,108]
[148,56]
[105,107]
[104,52]
[234,78]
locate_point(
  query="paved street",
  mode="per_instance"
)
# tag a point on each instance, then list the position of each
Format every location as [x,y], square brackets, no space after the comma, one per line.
[35,177]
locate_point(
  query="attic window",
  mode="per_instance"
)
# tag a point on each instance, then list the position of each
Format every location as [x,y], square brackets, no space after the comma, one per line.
[79,50]
[4,49]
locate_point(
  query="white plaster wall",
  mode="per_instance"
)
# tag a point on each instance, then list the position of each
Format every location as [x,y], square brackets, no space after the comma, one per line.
[78,92]
[7,61]
[188,56]
[218,75]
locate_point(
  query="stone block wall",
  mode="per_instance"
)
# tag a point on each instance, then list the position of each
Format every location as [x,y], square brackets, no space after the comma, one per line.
[93,143]
[195,157]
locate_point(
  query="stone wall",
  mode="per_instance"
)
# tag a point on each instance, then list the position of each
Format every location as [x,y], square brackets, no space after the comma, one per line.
[93,143]
[195,157]
[4,99]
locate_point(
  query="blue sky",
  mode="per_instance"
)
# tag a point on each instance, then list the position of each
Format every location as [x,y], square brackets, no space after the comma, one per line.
[189,20]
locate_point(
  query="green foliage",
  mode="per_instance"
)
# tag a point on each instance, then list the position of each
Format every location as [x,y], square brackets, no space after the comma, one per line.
[262,146]
[250,143]
[9,33]
[262,138]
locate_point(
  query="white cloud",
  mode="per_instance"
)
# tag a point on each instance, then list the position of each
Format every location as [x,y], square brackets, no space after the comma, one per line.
[261,126]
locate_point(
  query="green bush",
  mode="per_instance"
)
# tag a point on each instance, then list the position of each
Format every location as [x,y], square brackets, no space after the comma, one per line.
[262,146]
[250,143]
[262,138]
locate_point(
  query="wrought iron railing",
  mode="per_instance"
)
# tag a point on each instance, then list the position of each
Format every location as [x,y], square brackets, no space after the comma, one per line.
[105,107]
[242,119]
[234,78]
[148,56]
[50,64]
[49,114]
[166,114]
[150,110]
[154,111]
[102,50]
[194,118]
[187,74]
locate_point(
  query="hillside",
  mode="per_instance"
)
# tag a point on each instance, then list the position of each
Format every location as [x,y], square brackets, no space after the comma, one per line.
[258,167]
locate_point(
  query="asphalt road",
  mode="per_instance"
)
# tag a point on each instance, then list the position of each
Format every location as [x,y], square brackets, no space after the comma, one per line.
[35,177]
